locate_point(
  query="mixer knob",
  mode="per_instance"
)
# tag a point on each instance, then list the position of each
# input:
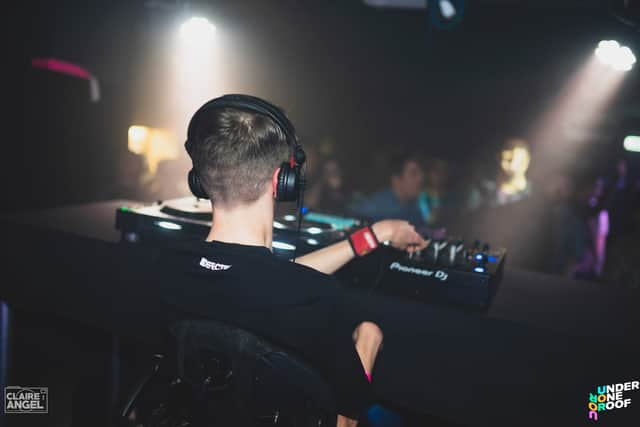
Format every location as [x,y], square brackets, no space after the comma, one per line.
[480,257]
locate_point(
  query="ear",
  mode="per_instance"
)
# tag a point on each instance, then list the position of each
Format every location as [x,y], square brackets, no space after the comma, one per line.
[274,183]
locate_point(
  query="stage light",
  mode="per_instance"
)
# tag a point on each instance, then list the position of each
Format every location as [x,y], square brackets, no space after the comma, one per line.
[155,145]
[137,138]
[290,218]
[618,57]
[447,9]
[446,14]
[313,242]
[632,143]
[515,160]
[197,30]
[63,67]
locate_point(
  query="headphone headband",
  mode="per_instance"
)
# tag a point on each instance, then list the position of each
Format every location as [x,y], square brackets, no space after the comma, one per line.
[250,104]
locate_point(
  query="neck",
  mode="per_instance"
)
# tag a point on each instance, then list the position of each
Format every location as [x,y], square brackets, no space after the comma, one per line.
[244,224]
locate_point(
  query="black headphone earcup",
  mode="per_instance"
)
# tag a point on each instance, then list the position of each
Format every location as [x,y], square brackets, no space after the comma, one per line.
[299,155]
[288,180]
[196,186]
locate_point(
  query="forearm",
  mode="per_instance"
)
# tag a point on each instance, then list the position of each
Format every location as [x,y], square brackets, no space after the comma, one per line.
[328,260]
[400,234]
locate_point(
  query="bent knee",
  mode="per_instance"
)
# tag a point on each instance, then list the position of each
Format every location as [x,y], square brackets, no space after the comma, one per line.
[368,331]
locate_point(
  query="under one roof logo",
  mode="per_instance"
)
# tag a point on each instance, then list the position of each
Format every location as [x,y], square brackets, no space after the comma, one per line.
[610,397]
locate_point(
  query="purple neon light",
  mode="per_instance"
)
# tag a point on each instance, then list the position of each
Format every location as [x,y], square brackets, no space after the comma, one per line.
[59,66]
[63,67]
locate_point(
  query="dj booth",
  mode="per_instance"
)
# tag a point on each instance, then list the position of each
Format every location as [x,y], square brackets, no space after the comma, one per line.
[529,356]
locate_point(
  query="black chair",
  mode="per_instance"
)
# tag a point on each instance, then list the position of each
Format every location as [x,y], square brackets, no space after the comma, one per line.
[214,374]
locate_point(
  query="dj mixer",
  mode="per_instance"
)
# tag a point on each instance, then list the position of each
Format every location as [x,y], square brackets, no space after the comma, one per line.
[447,273]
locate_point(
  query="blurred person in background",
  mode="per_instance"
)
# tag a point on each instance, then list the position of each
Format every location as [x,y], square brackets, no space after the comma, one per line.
[514,162]
[313,166]
[622,201]
[567,229]
[434,199]
[623,250]
[510,183]
[328,193]
[596,222]
[400,199]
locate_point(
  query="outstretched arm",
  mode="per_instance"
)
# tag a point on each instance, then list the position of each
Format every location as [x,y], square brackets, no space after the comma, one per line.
[400,234]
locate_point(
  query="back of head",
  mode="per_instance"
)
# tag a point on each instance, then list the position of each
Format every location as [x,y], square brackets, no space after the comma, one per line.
[235,153]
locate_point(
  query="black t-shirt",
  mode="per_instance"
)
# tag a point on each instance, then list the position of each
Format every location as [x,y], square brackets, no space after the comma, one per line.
[289,304]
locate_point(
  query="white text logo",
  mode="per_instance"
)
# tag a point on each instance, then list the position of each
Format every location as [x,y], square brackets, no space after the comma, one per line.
[438,274]
[213,265]
[26,400]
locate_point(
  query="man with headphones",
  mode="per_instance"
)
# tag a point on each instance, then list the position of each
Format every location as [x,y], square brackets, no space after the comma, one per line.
[246,156]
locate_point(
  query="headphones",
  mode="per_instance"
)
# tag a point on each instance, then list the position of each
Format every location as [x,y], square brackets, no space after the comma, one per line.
[290,182]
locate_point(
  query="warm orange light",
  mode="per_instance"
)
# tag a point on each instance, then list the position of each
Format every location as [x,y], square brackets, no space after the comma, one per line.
[515,160]
[515,163]
[138,138]
[155,145]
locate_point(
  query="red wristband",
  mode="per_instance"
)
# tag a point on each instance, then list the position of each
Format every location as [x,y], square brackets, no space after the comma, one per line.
[363,241]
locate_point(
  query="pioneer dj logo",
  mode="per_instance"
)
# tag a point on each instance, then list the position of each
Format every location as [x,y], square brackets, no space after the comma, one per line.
[26,400]
[438,274]
[210,265]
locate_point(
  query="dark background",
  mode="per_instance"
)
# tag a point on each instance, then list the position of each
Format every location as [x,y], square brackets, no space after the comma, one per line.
[366,79]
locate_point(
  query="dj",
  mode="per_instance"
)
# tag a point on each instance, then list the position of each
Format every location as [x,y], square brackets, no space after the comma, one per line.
[246,156]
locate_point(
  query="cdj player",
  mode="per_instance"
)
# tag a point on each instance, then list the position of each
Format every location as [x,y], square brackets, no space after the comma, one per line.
[445,272]
[175,222]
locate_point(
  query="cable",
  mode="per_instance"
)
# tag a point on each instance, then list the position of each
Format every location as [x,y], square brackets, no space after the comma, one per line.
[381,270]
[299,208]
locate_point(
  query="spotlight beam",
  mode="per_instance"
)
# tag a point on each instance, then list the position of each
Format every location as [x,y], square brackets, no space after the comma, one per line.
[559,135]
[447,9]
